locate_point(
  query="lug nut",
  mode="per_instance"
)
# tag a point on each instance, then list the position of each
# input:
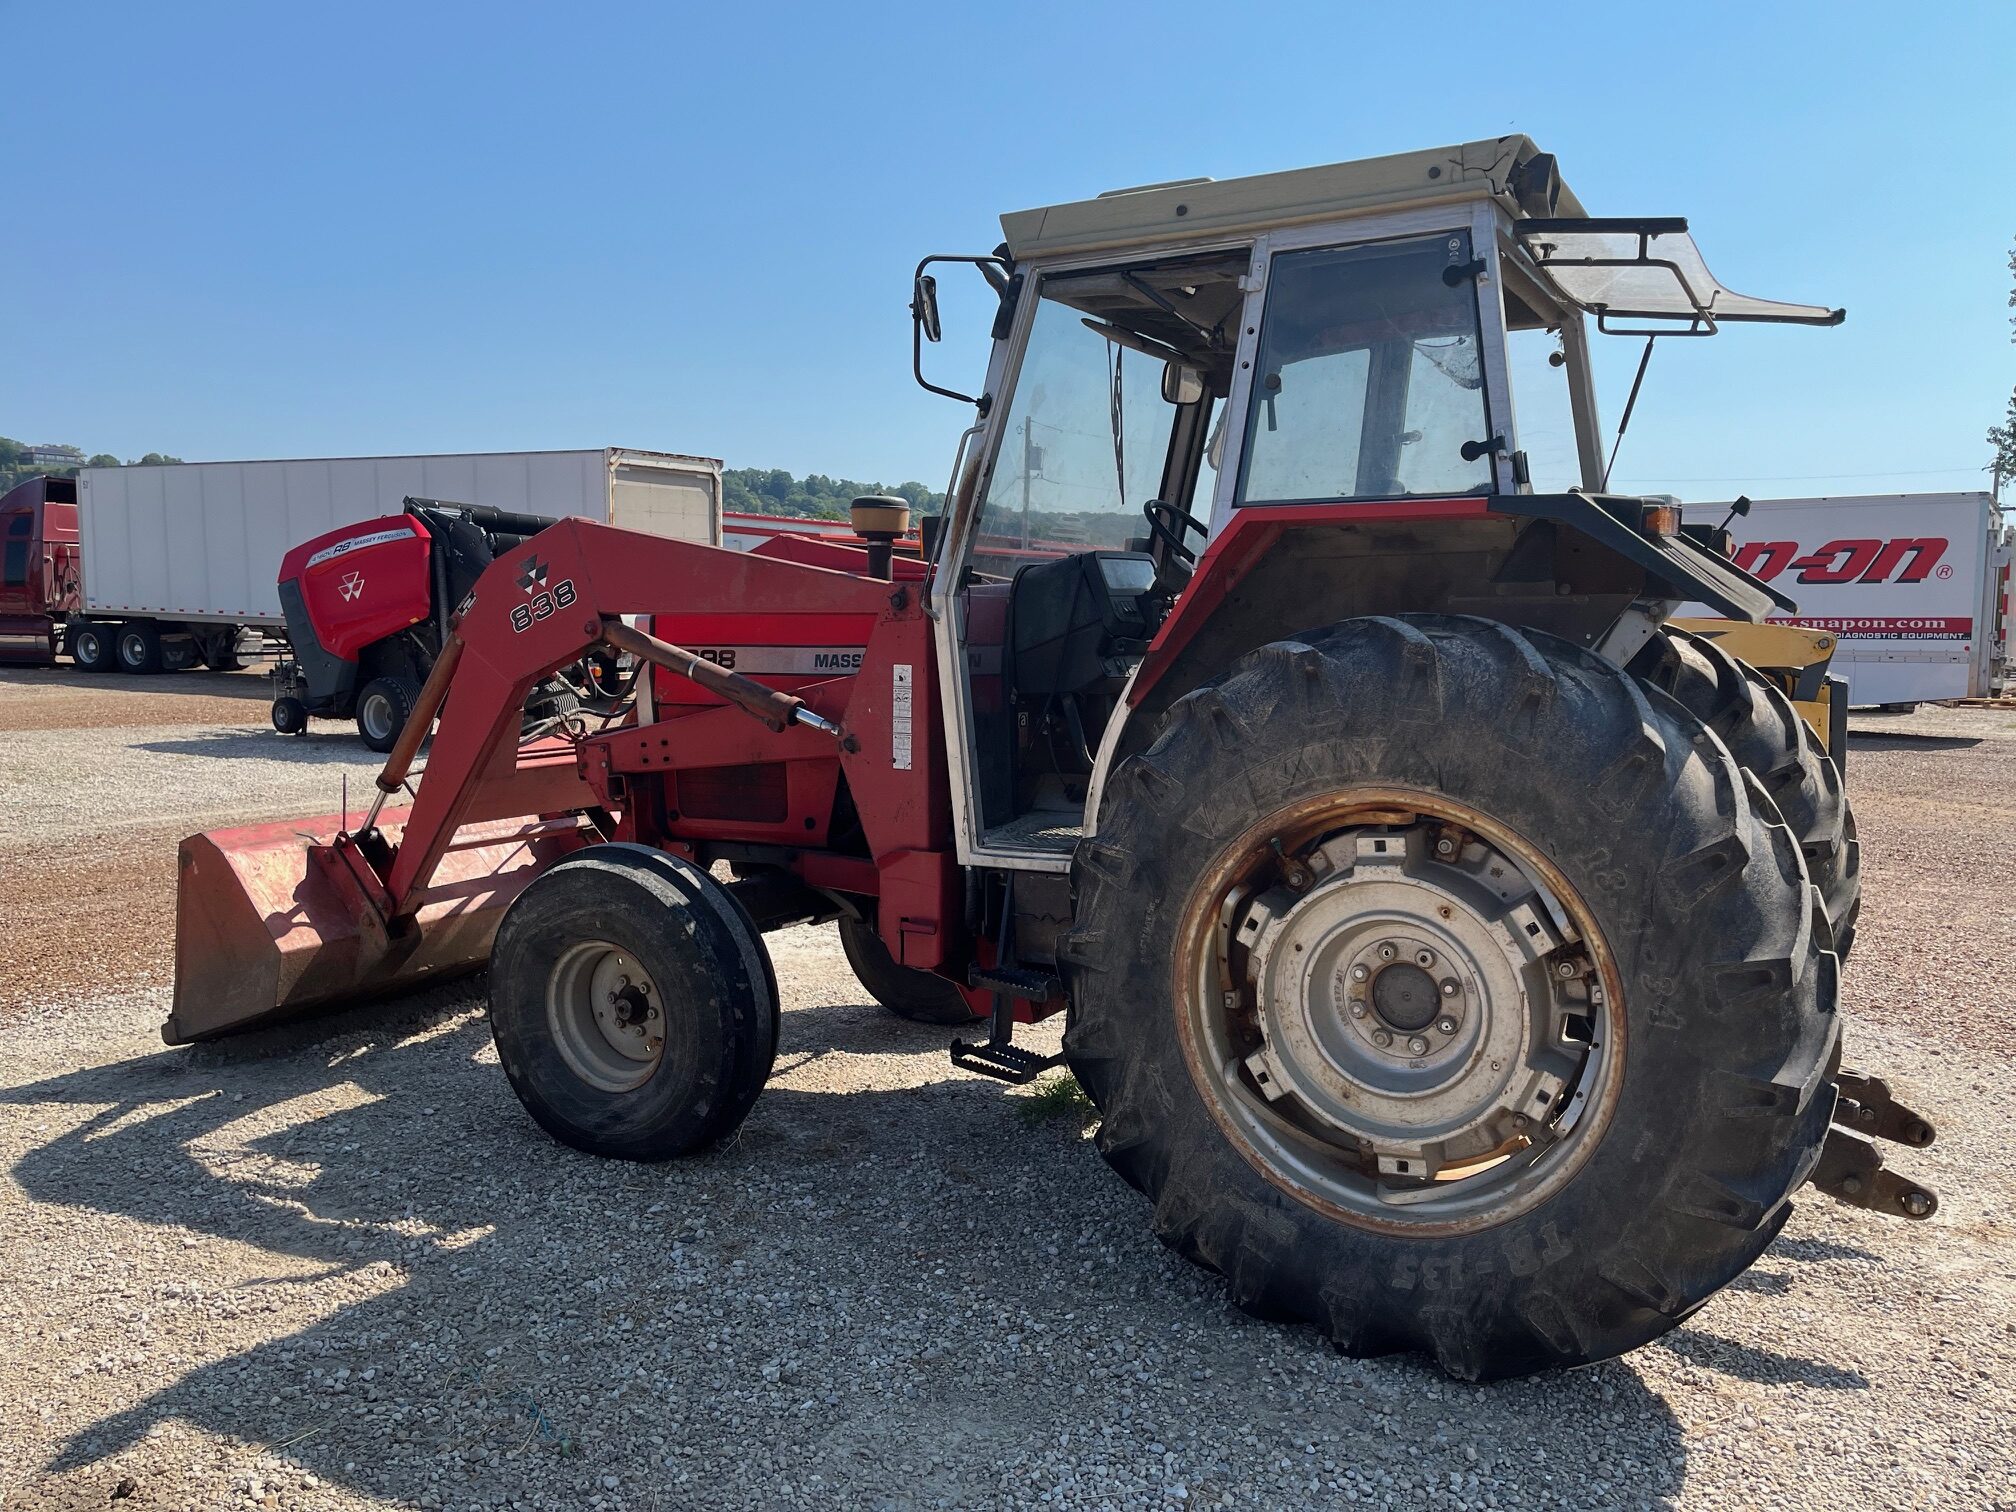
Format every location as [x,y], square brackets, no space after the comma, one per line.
[1424,958]
[1449,988]
[1381,1038]
[1418,1045]
[1387,952]
[1360,972]
[1445,1025]
[1357,1007]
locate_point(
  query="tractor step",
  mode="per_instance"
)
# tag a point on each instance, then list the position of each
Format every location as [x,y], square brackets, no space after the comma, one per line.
[1015,981]
[1003,1062]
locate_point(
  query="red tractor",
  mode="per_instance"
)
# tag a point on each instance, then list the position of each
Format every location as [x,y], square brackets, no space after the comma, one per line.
[1451,948]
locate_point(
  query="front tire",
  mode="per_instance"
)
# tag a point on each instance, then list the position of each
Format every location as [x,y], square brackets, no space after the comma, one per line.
[1634,952]
[633,1004]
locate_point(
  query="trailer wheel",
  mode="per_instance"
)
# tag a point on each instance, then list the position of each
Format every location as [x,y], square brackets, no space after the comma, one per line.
[290,716]
[1771,742]
[1449,989]
[91,648]
[915,995]
[633,1004]
[383,707]
[138,647]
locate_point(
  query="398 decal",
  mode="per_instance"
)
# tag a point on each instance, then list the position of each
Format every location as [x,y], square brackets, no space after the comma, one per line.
[541,606]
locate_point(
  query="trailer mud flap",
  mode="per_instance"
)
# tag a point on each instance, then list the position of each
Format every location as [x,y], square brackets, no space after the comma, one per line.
[275,919]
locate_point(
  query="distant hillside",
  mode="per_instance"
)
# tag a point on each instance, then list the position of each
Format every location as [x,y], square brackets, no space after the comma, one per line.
[773,491]
[18,462]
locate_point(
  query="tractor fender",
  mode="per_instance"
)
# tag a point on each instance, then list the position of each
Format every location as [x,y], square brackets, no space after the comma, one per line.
[1569,564]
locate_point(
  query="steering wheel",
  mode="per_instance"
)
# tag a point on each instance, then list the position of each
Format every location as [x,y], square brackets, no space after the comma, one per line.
[1169,524]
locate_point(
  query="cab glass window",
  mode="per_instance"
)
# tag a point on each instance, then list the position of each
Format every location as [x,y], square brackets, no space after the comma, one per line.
[1370,378]
[14,570]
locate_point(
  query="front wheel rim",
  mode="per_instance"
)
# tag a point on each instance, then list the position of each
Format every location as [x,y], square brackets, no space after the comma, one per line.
[1400,1012]
[606,1016]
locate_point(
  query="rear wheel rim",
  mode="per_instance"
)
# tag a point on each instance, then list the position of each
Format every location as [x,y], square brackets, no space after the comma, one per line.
[132,649]
[1400,1012]
[376,713]
[606,1016]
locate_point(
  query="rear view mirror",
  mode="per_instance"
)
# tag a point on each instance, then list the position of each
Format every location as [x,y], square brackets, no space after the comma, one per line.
[924,306]
[1181,383]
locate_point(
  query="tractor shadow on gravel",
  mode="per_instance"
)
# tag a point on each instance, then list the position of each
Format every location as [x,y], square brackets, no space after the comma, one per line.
[331,746]
[904,1292]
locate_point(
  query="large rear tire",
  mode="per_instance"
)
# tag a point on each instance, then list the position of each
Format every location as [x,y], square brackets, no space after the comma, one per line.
[633,1004]
[1592,953]
[1771,742]
[915,995]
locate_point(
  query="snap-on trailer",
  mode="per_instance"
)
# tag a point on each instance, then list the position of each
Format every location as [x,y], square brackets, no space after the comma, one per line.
[180,561]
[1451,945]
[1914,588]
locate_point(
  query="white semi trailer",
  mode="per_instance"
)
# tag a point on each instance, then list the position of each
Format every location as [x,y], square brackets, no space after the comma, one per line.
[180,561]
[1914,587]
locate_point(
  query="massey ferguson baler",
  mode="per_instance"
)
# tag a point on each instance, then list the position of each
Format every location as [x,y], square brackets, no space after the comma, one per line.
[1451,946]
[368,606]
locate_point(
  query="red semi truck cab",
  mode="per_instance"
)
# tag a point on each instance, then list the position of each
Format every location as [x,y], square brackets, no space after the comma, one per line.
[41,568]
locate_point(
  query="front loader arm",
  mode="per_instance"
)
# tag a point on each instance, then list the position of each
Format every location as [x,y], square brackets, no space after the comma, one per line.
[266,927]
[533,611]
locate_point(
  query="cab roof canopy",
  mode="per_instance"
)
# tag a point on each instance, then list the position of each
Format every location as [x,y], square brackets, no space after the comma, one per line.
[1645,271]
[1509,168]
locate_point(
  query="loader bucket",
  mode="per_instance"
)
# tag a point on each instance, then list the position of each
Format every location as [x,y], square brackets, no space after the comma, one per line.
[275,919]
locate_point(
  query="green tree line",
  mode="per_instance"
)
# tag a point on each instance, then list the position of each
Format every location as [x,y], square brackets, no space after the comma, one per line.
[16,468]
[773,491]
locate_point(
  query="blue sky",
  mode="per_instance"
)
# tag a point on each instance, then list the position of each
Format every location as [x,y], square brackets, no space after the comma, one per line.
[264,230]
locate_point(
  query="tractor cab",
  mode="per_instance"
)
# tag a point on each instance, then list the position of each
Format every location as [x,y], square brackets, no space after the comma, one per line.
[1336,347]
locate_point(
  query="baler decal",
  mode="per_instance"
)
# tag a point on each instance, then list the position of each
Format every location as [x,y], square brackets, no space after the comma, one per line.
[358,543]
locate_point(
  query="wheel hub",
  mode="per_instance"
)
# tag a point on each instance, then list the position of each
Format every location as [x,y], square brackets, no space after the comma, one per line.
[1406,992]
[1405,997]
[606,1015]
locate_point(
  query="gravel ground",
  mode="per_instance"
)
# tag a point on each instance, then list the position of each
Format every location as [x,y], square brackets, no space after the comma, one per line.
[335,1266]
[103,774]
